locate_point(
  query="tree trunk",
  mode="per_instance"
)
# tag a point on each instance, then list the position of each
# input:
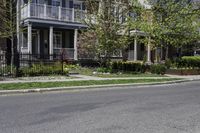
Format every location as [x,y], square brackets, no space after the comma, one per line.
[167,52]
[161,53]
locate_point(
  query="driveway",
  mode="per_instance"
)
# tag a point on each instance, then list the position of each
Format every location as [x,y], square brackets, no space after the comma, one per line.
[156,109]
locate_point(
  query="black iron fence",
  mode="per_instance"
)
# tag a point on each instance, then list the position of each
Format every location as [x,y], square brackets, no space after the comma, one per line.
[31,64]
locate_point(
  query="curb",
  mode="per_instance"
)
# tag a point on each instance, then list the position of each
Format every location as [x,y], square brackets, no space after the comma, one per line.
[79,88]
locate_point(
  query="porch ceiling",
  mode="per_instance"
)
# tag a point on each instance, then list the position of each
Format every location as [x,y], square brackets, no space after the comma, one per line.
[54,23]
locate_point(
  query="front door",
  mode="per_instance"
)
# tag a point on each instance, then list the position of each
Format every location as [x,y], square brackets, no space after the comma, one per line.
[46,42]
[131,52]
[35,42]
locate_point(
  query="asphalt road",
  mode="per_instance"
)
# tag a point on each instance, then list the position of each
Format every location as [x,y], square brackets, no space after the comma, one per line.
[156,109]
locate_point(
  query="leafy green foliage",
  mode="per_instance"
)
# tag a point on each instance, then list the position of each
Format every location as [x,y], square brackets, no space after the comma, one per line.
[168,63]
[158,69]
[188,62]
[174,22]
[103,70]
[107,26]
[168,22]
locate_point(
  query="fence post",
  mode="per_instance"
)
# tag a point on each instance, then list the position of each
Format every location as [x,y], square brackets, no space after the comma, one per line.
[17,64]
[62,63]
[29,59]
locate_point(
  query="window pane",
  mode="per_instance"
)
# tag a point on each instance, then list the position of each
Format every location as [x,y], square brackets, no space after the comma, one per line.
[57,40]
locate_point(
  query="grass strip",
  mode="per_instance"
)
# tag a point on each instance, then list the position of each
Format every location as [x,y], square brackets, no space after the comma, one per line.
[33,85]
[127,75]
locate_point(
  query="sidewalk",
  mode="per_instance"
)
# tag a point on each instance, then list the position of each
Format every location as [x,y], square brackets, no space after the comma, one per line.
[189,77]
[78,78]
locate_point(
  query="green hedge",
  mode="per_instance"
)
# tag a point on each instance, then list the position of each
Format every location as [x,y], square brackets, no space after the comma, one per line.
[128,67]
[42,70]
[188,62]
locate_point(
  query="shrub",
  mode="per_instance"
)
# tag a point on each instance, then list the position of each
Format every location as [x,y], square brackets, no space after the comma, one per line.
[71,67]
[42,70]
[89,63]
[168,63]
[103,70]
[188,62]
[158,69]
[128,67]
[6,70]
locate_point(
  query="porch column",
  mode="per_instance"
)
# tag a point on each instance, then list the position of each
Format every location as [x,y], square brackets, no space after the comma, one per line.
[18,23]
[75,44]
[38,34]
[51,43]
[73,15]
[135,49]
[149,51]
[29,38]
[29,9]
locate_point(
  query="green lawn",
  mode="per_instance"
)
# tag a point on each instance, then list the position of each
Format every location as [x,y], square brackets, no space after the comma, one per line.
[118,75]
[12,86]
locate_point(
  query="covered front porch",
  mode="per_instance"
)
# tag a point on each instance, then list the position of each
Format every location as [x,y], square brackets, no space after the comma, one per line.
[138,51]
[49,41]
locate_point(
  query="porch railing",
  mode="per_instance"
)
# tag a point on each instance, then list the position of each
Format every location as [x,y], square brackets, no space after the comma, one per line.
[68,53]
[43,11]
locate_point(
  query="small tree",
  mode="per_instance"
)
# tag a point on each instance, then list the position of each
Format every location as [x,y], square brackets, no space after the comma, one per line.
[87,45]
[109,25]
[175,23]
[8,26]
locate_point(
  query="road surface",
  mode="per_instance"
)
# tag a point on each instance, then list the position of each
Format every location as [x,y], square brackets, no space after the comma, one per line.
[156,109]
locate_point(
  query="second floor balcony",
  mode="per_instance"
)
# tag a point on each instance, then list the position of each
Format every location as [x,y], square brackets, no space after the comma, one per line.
[48,12]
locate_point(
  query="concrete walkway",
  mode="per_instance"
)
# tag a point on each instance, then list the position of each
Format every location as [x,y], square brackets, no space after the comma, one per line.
[84,77]
[74,78]
[192,77]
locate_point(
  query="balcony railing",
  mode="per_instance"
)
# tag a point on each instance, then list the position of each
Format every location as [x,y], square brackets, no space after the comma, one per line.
[43,11]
